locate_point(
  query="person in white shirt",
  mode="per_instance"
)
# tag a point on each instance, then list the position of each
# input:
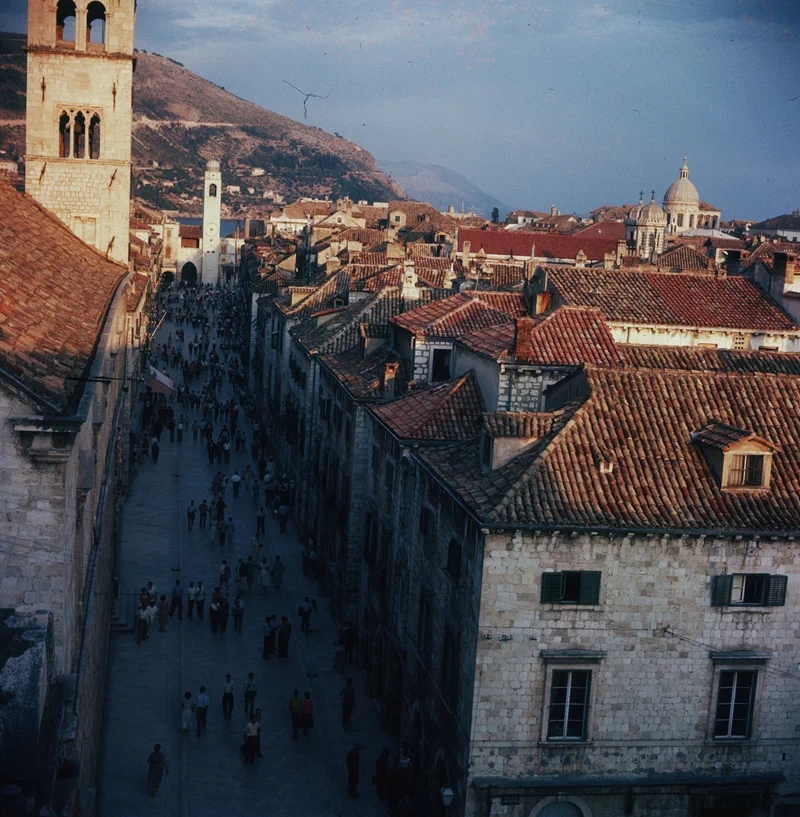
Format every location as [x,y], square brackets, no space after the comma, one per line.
[251,740]
[227,697]
[201,710]
[192,596]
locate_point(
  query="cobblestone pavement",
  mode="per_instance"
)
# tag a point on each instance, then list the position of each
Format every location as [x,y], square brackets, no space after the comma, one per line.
[304,778]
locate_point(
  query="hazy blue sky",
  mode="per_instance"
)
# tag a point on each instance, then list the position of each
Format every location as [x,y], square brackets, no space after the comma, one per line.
[567,102]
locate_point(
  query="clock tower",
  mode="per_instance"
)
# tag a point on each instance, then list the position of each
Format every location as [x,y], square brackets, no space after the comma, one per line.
[211,216]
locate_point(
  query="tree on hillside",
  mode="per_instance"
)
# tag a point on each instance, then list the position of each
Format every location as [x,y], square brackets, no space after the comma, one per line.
[495,215]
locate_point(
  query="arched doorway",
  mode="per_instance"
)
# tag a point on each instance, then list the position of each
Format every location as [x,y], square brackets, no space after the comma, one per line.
[561,806]
[189,274]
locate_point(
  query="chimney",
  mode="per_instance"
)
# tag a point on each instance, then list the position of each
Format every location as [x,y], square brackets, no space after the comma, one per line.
[580,259]
[390,380]
[410,290]
[247,227]
[451,210]
[465,254]
[523,331]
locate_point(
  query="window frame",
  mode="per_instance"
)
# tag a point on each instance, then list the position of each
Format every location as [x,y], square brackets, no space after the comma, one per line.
[590,586]
[569,672]
[773,592]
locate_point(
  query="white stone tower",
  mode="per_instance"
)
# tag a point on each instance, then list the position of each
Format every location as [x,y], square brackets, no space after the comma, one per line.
[212,195]
[79,116]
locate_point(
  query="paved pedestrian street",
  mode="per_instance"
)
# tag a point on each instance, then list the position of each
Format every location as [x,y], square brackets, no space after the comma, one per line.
[146,682]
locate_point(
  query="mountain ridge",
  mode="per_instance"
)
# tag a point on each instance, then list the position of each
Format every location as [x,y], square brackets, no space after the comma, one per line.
[181,120]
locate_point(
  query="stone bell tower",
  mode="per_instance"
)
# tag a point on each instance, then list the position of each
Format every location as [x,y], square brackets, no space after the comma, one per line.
[212,208]
[80,115]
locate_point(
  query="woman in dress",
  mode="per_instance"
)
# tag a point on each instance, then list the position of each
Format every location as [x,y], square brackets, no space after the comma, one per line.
[186,713]
[157,765]
[307,714]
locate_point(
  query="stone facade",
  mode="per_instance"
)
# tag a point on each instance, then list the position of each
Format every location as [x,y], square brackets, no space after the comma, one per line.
[87,183]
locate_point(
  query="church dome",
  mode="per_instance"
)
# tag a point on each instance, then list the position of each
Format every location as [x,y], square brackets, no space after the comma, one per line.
[682,191]
[633,213]
[212,165]
[652,214]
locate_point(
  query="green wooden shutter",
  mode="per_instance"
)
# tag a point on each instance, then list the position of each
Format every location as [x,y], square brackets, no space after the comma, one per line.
[551,588]
[721,587]
[590,587]
[776,594]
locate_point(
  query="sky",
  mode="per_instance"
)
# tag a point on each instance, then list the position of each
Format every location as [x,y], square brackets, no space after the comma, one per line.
[574,103]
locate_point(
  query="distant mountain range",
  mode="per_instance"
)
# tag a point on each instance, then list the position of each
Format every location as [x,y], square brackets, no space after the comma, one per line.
[441,187]
[181,120]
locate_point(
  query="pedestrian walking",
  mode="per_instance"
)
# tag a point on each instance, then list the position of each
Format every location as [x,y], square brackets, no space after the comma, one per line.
[203,514]
[348,695]
[191,596]
[250,566]
[171,428]
[263,575]
[307,713]
[227,697]
[157,765]
[180,431]
[283,516]
[241,576]
[236,484]
[177,600]
[352,762]
[304,611]
[255,549]
[250,748]
[141,623]
[195,430]
[250,694]
[213,613]
[186,713]
[238,613]
[295,711]
[278,569]
[152,595]
[154,450]
[152,614]
[224,612]
[191,512]
[284,634]
[221,530]
[229,530]
[260,517]
[381,778]
[313,617]
[258,737]
[164,613]
[268,636]
[200,598]
[224,575]
[201,710]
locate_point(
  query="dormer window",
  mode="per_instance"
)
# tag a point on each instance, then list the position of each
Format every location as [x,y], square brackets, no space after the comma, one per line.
[738,457]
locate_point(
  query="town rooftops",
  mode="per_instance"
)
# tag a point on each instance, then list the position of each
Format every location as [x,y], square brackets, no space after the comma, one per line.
[682,258]
[724,436]
[695,358]
[663,299]
[446,411]
[462,313]
[787,221]
[190,231]
[625,459]
[54,294]
[614,230]
[535,245]
[362,376]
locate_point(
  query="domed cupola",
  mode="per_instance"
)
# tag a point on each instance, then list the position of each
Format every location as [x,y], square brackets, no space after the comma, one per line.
[682,191]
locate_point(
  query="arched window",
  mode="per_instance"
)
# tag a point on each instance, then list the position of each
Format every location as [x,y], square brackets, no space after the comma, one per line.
[64,135]
[65,21]
[79,128]
[94,136]
[212,191]
[96,25]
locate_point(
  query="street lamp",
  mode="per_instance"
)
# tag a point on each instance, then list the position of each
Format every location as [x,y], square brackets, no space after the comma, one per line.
[447,796]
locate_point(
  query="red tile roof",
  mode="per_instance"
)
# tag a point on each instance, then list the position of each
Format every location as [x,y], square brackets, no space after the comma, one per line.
[459,314]
[724,436]
[190,231]
[54,294]
[542,245]
[614,230]
[520,424]
[683,257]
[447,411]
[639,424]
[662,299]
[708,360]
[494,341]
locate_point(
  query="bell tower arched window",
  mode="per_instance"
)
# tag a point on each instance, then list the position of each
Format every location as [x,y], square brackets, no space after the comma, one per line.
[79,135]
[212,191]
[96,26]
[65,22]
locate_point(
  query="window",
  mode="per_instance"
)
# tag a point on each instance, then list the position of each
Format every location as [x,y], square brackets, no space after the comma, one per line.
[756,589]
[691,220]
[85,227]
[79,135]
[569,704]
[746,471]
[440,365]
[212,191]
[65,22]
[454,558]
[96,26]
[79,131]
[571,587]
[680,219]
[64,135]
[735,697]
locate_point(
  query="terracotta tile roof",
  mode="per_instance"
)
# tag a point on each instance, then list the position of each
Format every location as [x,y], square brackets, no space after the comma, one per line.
[361,376]
[502,275]
[542,245]
[653,298]
[432,277]
[418,250]
[683,258]
[567,336]
[724,436]
[138,224]
[784,222]
[495,342]
[704,205]
[190,231]
[388,278]
[136,290]
[462,313]
[614,230]
[725,243]
[639,423]
[321,297]
[444,412]
[54,294]
[708,360]
[520,424]
[369,238]
[370,258]
[765,253]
